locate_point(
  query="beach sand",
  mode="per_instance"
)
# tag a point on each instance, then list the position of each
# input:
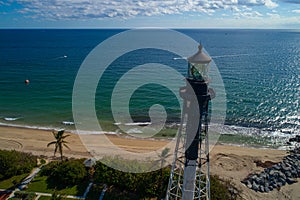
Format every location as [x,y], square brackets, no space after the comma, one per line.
[229,162]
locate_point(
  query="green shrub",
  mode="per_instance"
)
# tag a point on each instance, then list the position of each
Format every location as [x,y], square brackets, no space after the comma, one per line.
[43,161]
[65,173]
[48,169]
[25,195]
[221,189]
[150,185]
[14,163]
[143,185]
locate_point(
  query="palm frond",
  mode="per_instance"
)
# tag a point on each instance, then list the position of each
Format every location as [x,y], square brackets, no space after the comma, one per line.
[54,142]
[67,146]
[63,137]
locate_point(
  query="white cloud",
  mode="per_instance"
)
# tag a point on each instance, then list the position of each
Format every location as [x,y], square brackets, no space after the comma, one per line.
[291,1]
[273,16]
[97,9]
[296,11]
[266,22]
[270,4]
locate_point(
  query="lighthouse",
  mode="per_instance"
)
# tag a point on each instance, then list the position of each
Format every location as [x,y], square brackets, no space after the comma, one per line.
[189,178]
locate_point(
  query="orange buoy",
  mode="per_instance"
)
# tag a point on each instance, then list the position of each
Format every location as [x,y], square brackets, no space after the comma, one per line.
[26,81]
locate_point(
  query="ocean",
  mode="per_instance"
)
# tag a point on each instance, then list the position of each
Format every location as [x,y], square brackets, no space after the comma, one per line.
[260,70]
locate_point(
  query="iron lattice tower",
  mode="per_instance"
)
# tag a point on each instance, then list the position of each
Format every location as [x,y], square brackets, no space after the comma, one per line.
[189,177]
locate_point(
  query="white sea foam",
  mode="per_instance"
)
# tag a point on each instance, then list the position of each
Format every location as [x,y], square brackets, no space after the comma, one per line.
[85,132]
[138,124]
[134,131]
[58,128]
[11,118]
[134,123]
[179,58]
[67,123]
[27,126]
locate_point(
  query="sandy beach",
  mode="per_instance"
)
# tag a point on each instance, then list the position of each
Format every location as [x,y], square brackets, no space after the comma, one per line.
[229,162]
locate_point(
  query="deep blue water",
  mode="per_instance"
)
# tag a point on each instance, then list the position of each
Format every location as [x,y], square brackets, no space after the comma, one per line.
[260,70]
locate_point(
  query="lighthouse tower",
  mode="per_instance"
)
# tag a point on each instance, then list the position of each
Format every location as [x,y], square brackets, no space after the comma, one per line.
[189,177]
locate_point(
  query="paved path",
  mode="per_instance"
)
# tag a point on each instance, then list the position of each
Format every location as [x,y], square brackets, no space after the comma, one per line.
[103,192]
[39,194]
[29,178]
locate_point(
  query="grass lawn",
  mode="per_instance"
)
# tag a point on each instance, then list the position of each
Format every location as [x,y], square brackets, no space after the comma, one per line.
[39,184]
[8,183]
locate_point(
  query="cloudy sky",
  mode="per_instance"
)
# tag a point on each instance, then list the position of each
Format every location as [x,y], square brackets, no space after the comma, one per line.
[150,13]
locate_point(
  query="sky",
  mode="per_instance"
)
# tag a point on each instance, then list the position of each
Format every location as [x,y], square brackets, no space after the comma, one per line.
[278,14]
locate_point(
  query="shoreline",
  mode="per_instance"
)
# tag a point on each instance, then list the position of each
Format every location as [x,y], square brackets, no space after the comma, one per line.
[110,134]
[232,163]
[230,137]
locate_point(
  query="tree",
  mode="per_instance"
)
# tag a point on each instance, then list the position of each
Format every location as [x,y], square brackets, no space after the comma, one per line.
[59,142]
[14,163]
[163,157]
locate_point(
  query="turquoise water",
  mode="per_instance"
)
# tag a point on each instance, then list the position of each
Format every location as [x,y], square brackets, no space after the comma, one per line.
[260,70]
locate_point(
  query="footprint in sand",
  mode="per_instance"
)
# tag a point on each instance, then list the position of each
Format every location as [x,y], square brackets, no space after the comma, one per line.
[10,144]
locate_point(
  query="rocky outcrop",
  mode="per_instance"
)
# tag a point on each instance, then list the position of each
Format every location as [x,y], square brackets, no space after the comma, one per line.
[276,176]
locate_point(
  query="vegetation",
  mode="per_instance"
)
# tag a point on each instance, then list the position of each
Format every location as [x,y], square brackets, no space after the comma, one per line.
[222,189]
[66,173]
[24,195]
[14,163]
[50,198]
[59,142]
[123,185]
[12,181]
[56,196]
[140,185]
[71,177]
[94,192]
[42,184]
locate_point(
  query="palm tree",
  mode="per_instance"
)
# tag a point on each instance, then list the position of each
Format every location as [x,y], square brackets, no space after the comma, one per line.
[59,142]
[163,157]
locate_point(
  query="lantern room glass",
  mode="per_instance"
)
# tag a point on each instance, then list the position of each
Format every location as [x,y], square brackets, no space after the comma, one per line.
[198,71]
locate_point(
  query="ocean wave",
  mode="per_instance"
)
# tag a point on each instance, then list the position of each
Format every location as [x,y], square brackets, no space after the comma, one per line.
[134,131]
[28,126]
[134,123]
[57,128]
[253,131]
[11,118]
[67,123]
[138,124]
[279,137]
[85,132]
